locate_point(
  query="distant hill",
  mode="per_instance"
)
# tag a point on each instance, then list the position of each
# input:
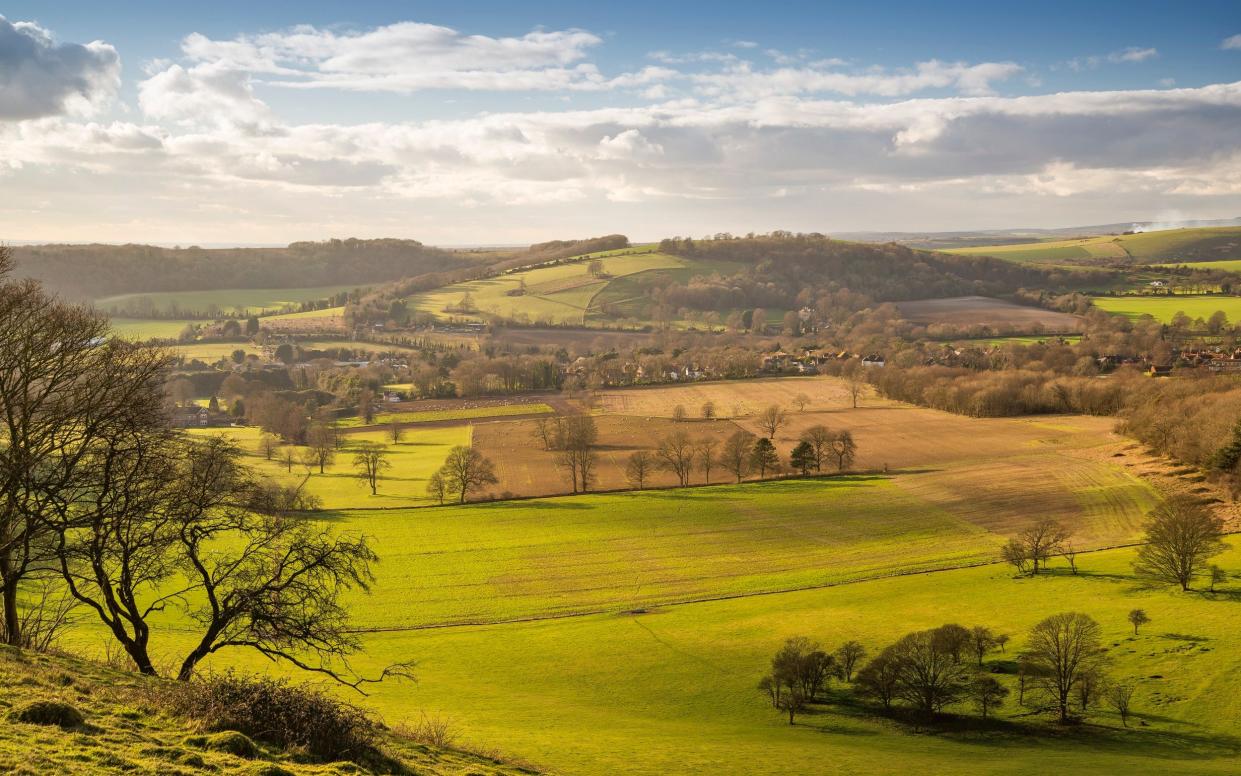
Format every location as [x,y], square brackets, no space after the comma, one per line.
[1188,245]
[980,237]
[93,271]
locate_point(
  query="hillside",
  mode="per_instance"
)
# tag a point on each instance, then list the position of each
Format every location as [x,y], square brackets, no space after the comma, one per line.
[1190,245]
[94,271]
[123,730]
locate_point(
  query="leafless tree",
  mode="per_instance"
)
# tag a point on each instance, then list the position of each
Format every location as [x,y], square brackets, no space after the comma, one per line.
[854,375]
[704,450]
[268,445]
[1137,618]
[772,420]
[847,657]
[576,438]
[801,400]
[676,454]
[735,455]
[1042,540]
[1062,649]
[987,693]
[708,410]
[1181,537]
[844,449]
[466,470]
[1119,696]
[436,488]
[982,641]
[395,432]
[638,468]
[65,388]
[370,461]
[321,439]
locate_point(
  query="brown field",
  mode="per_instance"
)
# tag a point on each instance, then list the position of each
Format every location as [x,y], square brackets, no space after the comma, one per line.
[990,472]
[981,310]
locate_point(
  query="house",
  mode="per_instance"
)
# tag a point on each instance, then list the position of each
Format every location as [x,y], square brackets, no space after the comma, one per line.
[1159,371]
[392,397]
[874,359]
[1158,284]
[197,417]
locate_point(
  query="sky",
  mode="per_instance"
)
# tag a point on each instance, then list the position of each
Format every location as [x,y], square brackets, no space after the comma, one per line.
[503,123]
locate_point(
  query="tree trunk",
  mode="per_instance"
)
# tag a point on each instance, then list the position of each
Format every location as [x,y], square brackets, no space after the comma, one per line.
[12,623]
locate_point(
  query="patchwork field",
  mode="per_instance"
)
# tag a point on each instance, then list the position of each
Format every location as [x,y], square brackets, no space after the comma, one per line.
[981,310]
[559,295]
[1172,245]
[142,329]
[1163,308]
[453,414]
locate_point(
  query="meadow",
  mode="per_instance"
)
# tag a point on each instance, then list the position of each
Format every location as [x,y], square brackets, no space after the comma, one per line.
[560,294]
[248,301]
[449,414]
[1171,245]
[1163,308]
[144,329]
[415,458]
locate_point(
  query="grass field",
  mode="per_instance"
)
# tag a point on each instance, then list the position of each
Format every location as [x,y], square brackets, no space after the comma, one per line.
[210,352]
[1172,245]
[462,413]
[1164,307]
[248,301]
[413,460]
[560,294]
[140,329]
[1227,265]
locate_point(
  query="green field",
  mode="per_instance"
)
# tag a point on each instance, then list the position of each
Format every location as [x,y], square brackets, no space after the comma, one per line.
[641,684]
[561,294]
[463,413]
[414,459]
[135,328]
[247,301]
[210,352]
[1162,308]
[1227,265]
[1172,245]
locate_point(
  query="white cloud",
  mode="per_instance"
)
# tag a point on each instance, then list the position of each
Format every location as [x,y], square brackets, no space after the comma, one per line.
[202,94]
[1133,54]
[1232,42]
[743,82]
[40,77]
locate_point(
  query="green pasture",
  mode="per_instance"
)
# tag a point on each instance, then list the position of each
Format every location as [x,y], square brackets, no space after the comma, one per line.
[560,294]
[1171,245]
[247,301]
[141,329]
[461,413]
[1226,265]
[418,455]
[1163,308]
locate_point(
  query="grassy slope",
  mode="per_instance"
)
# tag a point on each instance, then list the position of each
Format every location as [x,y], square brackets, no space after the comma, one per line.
[251,300]
[141,329]
[463,413]
[559,294]
[1202,244]
[1164,307]
[124,733]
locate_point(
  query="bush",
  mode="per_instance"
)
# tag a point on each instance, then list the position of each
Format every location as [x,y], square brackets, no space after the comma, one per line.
[49,713]
[276,713]
[229,742]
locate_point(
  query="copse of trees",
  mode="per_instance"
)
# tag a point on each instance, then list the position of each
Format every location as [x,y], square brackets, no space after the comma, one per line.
[1062,668]
[1033,547]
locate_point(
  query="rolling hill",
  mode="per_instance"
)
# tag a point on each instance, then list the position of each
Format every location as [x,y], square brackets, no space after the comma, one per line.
[1190,245]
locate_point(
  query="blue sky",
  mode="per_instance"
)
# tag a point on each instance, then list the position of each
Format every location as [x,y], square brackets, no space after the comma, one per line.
[505,122]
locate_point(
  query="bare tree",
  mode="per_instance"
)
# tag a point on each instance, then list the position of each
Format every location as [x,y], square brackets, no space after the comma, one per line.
[1181,536]
[735,455]
[854,375]
[1137,618]
[576,438]
[844,448]
[321,439]
[268,444]
[928,676]
[987,693]
[366,405]
[708,410]
[371,460]
[982,641]
[678,413]
[64,389]
[772,420]
[676,454]
[1062,649]
[1014,552]
[436,488]
[638,468]
[847,657]
[1069,553]
[801,400]
[704,450]
[820,440]
[288,457]
[395,432]
[880,678]
[1119,696]
[1218,576]
[466,470]
[1042,540]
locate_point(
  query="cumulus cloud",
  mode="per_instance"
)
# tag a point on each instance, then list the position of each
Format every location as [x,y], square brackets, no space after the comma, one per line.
[1232,42]
[41,77]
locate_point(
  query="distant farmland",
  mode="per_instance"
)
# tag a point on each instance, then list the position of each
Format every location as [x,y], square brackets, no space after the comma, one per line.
[1163,308]
[981,310]
[1172,245]
[250,301]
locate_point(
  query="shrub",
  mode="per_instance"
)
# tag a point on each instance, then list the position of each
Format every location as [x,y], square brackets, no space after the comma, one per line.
[49,713]
[276,713]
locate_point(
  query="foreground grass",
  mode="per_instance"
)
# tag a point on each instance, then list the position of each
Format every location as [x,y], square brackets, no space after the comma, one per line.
[125,731]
